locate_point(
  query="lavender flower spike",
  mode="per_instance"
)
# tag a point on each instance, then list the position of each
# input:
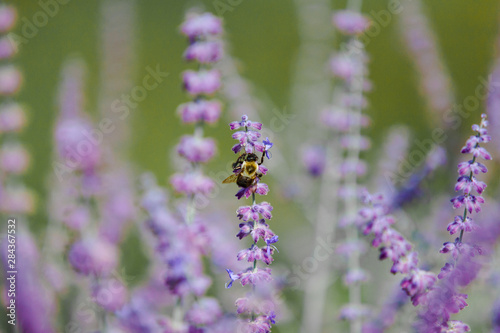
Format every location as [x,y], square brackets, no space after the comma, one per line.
[248,170]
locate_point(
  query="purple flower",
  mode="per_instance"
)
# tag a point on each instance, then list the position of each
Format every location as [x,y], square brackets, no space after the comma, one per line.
[476,151]
[405,264]
[93,256]
[355,276]
[451,247]
[192,183]
[255,276]
[267,145]
[201,25]
[196,149]
[200,110]
[8,48]
[468,184]
[232,277]
[247,213]
[8,17]
[251,254]
[471,202]
[456,326]
[459,224]
[202,82]
[14,159]
[353,311]
[261,230]
[445,270]
[350,22]
[418,282]
[10,80]
[110,294]
[205,52]
[259,188]
[245,123]
[12,118]
[465,168]
[248,141]
[313,158]
[204,312]
[251,305]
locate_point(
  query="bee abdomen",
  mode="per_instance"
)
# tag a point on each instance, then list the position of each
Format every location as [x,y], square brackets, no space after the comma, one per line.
[243,181]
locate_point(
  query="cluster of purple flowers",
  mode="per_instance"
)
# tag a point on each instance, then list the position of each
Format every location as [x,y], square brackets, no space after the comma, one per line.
[205,47]
[375,219]
[438,299]
[446,297]
[15,198]
[254,217]
[29,303]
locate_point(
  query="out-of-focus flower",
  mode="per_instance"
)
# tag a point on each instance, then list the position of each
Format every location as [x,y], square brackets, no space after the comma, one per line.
[10,80]
[350,22]
[201,25]
[93,255]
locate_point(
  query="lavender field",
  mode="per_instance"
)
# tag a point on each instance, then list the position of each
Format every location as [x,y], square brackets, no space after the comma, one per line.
[236,166]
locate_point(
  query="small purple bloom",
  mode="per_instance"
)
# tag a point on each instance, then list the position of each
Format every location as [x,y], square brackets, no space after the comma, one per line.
[445,270]
[196,149]
[202,82]
[201,110]
[418,282]
[451,247]
[261,230]
[245,123]
[205,52]
[471,202]
[350,22]
[314,160]
[12,118]
[270,241]
[459,224]
[11,80]
[192,183]
[353,311]
[468,184]
[201,25]
[257,276]
[8,17]
[405,264]
[232,277]
[355,276]
[110,294]
[93,256]
[259,188]
[204,312]
[476,152]
[465,168]
[267,145]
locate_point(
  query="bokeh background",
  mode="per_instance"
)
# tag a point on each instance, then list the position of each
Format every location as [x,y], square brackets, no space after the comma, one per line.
[264,36]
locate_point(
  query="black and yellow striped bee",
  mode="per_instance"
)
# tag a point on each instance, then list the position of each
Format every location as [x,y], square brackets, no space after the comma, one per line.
[246,170]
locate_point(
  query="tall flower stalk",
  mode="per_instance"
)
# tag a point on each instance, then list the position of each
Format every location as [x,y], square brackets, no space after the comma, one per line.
[447,297]
[438,299]
[258,318]
[182,239]
[30,304]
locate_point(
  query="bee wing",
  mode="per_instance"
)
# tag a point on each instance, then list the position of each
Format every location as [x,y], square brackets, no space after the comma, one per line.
[230,179]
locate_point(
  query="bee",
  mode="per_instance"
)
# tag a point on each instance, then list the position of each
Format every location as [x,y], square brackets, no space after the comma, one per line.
[246,170]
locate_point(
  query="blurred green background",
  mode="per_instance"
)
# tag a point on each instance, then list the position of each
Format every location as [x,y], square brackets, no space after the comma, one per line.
[263,35]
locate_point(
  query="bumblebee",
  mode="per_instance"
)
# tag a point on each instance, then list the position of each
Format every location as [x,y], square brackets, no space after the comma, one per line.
[246,170]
